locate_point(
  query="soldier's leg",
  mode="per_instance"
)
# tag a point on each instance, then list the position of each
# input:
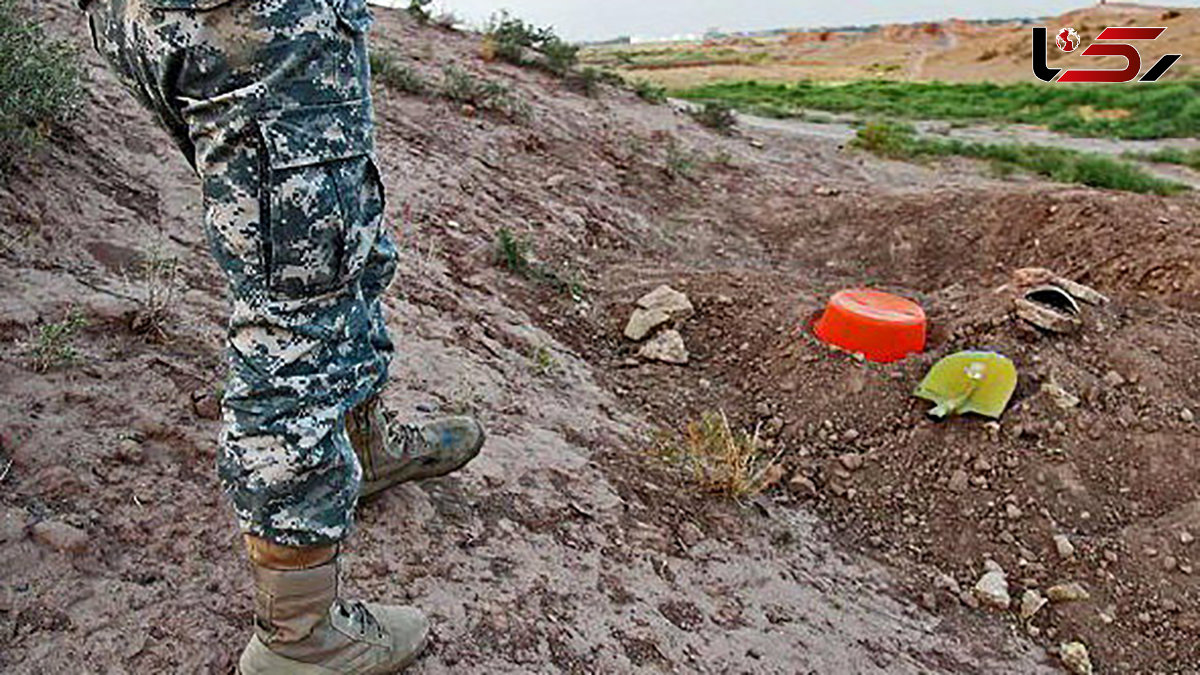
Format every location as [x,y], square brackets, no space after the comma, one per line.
[276,107]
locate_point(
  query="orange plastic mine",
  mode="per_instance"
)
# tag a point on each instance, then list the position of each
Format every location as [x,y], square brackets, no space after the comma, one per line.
[880,326]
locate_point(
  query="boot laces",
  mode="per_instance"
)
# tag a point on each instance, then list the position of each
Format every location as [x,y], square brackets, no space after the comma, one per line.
[406,436]
[360,617]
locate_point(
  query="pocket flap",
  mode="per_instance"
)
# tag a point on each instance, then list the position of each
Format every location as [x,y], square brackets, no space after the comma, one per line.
[317,134]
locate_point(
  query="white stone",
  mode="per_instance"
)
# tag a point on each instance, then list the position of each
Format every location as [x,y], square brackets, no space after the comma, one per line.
[667,347]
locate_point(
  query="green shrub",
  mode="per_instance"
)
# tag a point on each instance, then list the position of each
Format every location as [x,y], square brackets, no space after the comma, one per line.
[419,10]
[716,115]
[387,70]
[512,40]
[39,83]
[512,252]
[887,139]
[462,87]
[650,92]
[589,79]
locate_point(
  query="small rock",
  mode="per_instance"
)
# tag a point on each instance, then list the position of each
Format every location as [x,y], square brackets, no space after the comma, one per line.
[959,481]
[556,180]
[992,566]
[129,451]
[1072,592]
[929,601]
[1114,379]
[60,536]
[992,590]
[1013,512]
[803,485]
[643,322]
[206,404]
[12,524]
[826,191]
[1066,550]
[1075,657]
[1186,538]
[1032,602]
[667,347]
[851,462]
[1187,415]
[969,600]
[1061,397]
[772,476]
[945,582]
[1169,563]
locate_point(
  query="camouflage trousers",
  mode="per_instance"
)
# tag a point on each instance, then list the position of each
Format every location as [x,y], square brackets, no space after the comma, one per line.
[270,102]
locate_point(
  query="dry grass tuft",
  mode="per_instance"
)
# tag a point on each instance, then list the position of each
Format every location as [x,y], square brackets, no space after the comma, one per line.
[722,460]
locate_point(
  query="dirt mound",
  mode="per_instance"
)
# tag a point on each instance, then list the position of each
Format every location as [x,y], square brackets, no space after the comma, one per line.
[566,548]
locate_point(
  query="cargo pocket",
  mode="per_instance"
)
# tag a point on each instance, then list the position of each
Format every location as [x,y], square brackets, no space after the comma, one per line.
[316,167]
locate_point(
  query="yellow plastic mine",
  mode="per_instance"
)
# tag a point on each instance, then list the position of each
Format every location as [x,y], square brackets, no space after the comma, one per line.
[970,382]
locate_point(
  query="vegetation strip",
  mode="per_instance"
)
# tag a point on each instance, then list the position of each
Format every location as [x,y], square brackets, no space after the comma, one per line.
[1165,110]
[899,141]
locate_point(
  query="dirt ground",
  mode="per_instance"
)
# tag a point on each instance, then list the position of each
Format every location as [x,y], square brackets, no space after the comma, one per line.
[569,547]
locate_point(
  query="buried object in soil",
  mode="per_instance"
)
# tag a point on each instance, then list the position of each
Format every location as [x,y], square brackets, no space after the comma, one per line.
[1050,302]
[1049,308]
[970,382]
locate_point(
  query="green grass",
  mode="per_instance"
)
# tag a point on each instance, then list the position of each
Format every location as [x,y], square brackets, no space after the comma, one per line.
[515,254]
[53,343]
[39,83]
[1161,110]
[1188,158]
[899,141]
[387,70]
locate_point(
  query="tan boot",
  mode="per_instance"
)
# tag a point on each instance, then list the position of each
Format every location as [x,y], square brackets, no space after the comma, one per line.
[302,627]
[392,453]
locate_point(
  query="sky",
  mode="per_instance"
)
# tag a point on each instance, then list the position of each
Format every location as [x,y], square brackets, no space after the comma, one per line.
[602,19]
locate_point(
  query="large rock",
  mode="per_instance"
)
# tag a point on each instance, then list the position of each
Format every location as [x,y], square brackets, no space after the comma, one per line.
[992,590]
[668,300]
[661,306]
[667,347]
[644,322]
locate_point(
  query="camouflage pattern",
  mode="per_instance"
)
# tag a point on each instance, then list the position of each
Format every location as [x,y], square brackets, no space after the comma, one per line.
[270,102]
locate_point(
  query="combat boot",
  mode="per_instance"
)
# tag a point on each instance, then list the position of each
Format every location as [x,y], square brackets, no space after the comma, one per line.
[302,627]
[392,453]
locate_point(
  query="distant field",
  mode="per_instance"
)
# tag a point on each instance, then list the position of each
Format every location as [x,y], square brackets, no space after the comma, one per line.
[1166,110]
